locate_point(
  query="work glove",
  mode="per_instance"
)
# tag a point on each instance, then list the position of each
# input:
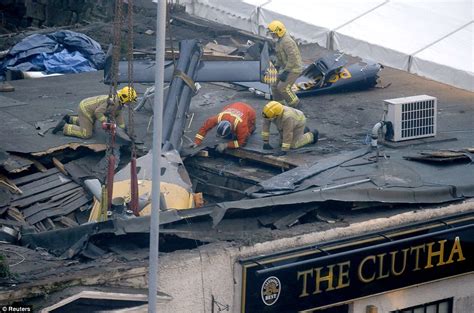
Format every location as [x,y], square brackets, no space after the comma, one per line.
[193,145]
[221,147]
[283,76]
[267,146]
[279,153]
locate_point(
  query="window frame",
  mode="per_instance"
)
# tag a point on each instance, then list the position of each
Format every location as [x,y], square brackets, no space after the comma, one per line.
[425,305]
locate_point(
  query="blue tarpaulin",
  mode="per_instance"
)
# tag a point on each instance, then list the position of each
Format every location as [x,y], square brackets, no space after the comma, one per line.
[59,52]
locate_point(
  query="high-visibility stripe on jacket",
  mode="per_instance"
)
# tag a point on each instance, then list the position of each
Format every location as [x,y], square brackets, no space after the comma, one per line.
[286,123]
[242,118]
[288,55]
[95,108]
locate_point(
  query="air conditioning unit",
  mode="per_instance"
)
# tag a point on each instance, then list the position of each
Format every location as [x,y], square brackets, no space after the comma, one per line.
[411,117]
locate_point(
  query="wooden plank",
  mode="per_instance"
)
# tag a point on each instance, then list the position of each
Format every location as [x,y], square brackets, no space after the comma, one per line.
[12,222]
[40,167]
[43,196]
[50,223]
[39,182]
[279,162]
[66,221]
[59,166]
[36,218]
[29,178]
[41,227]
[40,189]
[16,215]
[38,207]
[9,184]
[63,195]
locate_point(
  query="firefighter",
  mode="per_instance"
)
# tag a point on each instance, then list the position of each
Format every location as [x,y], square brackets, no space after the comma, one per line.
[95,108]
[236,121]
[291,124]
[288,63]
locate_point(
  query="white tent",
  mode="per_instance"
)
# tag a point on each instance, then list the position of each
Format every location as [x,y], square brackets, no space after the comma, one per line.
[431,38]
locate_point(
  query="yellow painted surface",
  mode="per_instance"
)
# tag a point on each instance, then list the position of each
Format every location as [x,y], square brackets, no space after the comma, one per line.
[176,196]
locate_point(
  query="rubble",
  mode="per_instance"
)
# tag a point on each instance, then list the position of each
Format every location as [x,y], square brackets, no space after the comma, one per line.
[241,197]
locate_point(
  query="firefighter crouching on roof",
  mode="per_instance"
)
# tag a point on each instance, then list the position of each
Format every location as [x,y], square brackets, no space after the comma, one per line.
[95,108]
[288,63]
[236,121]
[291,124]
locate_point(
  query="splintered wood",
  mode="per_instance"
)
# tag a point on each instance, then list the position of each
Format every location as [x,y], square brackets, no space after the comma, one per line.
[46,200]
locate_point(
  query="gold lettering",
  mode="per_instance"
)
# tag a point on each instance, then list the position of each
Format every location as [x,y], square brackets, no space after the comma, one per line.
[361,265]
[328,278]
[344,275]
[439,254]
[394,257]
[305,274]
[381,274]
[456,249]
[417,258]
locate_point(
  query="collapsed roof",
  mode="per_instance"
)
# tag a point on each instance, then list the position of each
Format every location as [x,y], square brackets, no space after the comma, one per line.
[340,168]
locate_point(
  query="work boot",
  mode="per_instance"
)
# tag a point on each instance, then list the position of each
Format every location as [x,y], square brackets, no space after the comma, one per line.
[59,126]
[67,118]
[6,87]
[315,135]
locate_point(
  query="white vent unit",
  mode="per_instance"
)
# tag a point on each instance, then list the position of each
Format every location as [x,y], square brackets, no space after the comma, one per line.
[412,117]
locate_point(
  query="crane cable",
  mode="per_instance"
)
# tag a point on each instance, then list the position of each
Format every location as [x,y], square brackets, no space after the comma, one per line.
[131,123]
[107,188]
[131,120]
[117,28]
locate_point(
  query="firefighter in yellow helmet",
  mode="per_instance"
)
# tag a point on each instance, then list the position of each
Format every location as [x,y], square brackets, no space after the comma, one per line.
[96,108]
[291,124]
[288,63]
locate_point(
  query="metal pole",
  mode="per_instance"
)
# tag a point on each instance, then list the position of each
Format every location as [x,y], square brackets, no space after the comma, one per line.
[157,130]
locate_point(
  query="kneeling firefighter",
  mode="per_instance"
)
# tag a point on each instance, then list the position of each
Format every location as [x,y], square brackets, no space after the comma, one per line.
[236,121]
[291,124]
[96,108]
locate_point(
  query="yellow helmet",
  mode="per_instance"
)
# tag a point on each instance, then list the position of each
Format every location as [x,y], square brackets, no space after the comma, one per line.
[277,27]
[272,109]
[127,94]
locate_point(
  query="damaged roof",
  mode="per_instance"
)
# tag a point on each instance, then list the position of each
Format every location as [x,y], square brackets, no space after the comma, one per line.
[251,196]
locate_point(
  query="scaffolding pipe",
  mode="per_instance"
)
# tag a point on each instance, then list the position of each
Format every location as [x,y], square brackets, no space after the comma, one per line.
[157,133]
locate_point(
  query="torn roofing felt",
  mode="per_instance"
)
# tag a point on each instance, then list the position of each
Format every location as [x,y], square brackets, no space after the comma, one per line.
[60,241]
[387,178]
[24,138]
[353,177]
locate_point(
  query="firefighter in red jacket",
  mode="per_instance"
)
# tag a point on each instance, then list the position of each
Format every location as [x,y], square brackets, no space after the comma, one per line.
[236,121]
